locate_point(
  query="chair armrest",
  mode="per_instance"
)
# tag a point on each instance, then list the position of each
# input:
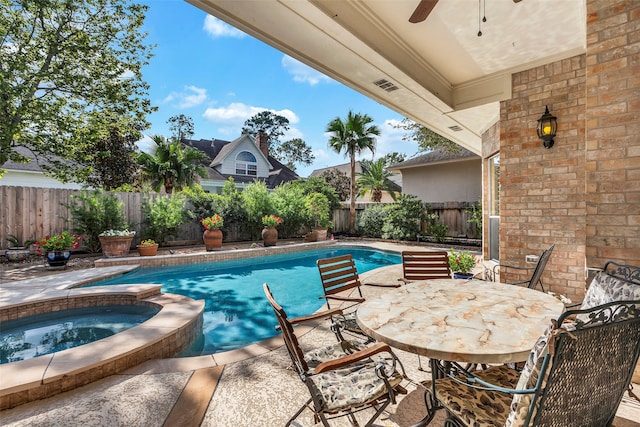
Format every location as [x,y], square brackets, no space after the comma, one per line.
[383,285]
[338,298]
[488,386]
[316,316]
[352,358]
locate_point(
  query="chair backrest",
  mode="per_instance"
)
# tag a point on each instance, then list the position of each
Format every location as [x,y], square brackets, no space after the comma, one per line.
[338,274]
[628,273]
[588,367]
[289,337]
[536,276]
[422,265]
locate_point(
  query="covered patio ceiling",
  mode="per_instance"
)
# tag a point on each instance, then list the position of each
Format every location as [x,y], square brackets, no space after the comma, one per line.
[438,72]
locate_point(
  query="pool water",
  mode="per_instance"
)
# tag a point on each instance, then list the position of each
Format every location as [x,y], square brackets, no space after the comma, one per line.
[236,311]
[47,333]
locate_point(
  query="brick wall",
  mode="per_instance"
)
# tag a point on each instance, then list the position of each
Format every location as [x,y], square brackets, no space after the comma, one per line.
[613,132]
[542,190]
[584,193]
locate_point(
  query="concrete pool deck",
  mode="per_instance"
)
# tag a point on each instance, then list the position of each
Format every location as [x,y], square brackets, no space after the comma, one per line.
[253,386]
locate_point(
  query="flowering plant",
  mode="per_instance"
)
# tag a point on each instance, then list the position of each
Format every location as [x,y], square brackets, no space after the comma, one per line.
[271,220]
[212,222]
[124,232]
[148,242]
[461,262]
[58,242]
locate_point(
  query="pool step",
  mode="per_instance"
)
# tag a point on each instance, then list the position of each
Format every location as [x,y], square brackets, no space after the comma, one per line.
[192,404]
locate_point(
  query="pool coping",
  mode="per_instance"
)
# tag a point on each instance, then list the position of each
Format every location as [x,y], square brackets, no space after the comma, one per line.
[22,293]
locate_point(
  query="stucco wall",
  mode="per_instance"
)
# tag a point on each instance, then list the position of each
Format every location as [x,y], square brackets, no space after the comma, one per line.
[459,181]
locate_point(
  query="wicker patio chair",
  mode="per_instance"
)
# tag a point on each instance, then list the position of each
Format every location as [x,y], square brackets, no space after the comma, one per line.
[340,281]
[576,375]
[341,379]
[536,275]
[423,265]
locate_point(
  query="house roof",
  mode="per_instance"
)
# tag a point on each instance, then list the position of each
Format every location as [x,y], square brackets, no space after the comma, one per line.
[218,150]
[436,156]
[344,168]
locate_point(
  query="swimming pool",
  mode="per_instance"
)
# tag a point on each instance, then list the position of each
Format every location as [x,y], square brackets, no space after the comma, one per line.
[236,311]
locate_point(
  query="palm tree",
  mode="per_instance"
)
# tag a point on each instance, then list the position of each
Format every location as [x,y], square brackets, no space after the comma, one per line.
[172,165]
[354,135]
[375,179]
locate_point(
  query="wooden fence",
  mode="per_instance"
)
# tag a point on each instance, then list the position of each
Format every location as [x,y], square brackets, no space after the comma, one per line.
[31,213]
[454,215]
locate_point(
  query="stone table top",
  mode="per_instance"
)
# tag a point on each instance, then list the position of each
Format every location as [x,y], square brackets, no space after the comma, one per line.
[460,320]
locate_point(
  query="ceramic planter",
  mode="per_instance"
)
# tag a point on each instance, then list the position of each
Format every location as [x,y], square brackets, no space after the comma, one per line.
[269,236]
[212,239]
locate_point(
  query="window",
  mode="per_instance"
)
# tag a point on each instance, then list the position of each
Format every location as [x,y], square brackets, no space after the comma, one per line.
[246,164]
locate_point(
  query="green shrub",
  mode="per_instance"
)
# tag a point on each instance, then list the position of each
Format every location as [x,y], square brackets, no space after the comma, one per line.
[371,220]
[94,212]
[475,214]
[316,208]
[256,202]
[403,218]
[435,228]
[163,217]
[288,203]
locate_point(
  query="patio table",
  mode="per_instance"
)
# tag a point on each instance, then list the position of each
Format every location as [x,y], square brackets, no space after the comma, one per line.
[460,320]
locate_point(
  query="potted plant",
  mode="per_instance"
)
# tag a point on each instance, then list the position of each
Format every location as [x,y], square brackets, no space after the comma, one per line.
[116,243]
[57,248]
[461,264]
[212,235]
[270,232]
[18,251]
[147,247]
[317,212]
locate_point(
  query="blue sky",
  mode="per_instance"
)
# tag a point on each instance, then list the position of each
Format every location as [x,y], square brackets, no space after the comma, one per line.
[220,77]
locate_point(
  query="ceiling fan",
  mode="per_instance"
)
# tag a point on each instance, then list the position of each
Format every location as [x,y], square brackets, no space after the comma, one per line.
[425,7]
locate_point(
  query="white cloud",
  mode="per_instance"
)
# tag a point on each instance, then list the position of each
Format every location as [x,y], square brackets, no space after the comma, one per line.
[302,73]
[216,28]
[236,113]
[190,97]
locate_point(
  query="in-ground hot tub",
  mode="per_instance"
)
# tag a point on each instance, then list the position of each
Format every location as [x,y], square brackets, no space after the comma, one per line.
[175,326]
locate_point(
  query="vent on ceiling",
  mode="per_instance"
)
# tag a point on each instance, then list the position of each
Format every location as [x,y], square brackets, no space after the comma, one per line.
[455,128]
[386,85]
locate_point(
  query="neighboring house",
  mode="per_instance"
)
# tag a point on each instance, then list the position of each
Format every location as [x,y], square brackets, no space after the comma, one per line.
[245,159]
[439,176]
[346,169]
[31,174]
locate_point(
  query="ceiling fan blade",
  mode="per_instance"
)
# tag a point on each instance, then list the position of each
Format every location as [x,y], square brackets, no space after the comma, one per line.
[422,11]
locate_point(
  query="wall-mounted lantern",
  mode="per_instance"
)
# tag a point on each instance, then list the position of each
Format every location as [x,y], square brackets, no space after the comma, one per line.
[547,126]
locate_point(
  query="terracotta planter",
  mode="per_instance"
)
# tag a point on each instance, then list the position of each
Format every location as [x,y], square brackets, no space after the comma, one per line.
[147,250]
[212,239]
[311,237]
[321,233]
[115,246]
[269,236]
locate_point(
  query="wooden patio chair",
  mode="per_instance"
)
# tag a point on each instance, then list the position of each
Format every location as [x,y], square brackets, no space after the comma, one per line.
[576,375]
[340,281]
[536,272]
[341,379]
[423,265]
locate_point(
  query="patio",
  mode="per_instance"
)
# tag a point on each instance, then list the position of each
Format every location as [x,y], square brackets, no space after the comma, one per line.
[249,387]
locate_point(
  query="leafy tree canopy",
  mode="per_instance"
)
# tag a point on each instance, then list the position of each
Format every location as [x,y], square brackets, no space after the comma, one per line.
[181,127]
[112,152]
[61,61]
[339,181]
[274,125]
[295,151]
[393,158]
[292,152]
[426,138]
